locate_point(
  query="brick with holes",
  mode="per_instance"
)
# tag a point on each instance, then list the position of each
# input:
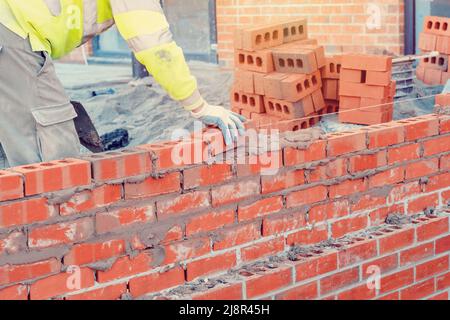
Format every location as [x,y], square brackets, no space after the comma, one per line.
[260,61]
[298,86]
[295,61]
[295,30]
[290,110]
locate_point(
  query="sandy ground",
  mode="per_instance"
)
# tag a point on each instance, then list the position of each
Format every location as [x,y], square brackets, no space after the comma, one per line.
[146,112]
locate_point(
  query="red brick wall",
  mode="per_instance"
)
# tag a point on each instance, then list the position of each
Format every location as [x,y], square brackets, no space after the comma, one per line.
[134,222]
[341,25]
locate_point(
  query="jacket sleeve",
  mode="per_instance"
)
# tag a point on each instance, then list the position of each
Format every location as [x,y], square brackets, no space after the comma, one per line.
[143,25]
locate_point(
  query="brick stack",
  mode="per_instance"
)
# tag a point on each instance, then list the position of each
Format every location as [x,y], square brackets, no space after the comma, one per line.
[278,74]
[366,89]
[435,37]
[330,78]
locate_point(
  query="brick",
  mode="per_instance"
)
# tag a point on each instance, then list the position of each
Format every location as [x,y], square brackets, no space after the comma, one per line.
[443,44]
[61,284]
[396,280]
[404,153]
[183,203]
[122,218]
[438,63]
[11,185]
[55,175]
[209,221]
[378,216]
[152,187]
[330,88]
[282,181]
[388,177]
[362,292]
[419,205]
[365,117]
[345,142]
[402,191]
[264,164]
[436,25]
[416,254]
[440,296]
[261,61]
[347,187]
[304,292]
[234,192]
[91,199]
[298,86]
[421,168]
[367,161]
[443,245]
[328,211]
[113,292]
[263,249]
[339,280]
[289,110]
[433,77]
[277,224]
[295,61]
[295,30]
[308,237]
[127,266]
[349,103]
[427,42]
[10,274]
[394,240]
[433,267]
[443,100]
[307,196]
[418,291]
[12,243]
[385,264]
[184,250]
[252,103]
[310,267]
[238,235]
[271,280]
[86,253]
[332,69]
[357,252]
[14,293]
[367,62]
[61,233]
[432,228]
[316,151]
[26,212]
[119,164]
[349,225]
[156,282]
[262,37]
[443,281]
[379,78]
[353,76]
[436,146]
[260,208]
[211,265]
[225,292]
[362,90]
[421,127]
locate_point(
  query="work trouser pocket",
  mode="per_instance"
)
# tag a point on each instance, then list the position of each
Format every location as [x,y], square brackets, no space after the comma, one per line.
[55,131]
[57,137]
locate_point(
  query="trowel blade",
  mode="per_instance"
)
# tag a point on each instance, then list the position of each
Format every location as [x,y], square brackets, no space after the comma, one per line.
[87,133]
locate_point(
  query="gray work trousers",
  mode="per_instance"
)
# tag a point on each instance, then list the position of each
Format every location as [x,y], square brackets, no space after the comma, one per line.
[36,117]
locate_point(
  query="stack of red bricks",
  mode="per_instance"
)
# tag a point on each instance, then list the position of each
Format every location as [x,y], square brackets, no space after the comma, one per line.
[366,89]
[278,74]
[330,79]
[436,37]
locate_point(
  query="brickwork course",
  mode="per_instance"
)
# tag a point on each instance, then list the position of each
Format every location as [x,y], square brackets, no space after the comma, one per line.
[133,224]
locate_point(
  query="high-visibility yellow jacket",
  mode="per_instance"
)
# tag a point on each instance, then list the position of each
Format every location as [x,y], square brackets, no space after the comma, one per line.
[59,26]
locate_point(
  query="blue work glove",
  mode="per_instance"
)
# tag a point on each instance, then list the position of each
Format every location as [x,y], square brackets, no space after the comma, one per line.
[230,123]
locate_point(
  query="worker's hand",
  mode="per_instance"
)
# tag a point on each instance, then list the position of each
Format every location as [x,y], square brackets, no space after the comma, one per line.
[230,123]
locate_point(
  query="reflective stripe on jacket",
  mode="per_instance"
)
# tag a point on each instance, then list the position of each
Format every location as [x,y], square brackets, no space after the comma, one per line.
[59,26]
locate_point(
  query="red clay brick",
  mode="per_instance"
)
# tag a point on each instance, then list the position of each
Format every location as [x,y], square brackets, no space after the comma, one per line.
[11,185]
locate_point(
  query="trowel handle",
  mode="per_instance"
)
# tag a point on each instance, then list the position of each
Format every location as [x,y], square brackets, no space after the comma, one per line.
[415,57]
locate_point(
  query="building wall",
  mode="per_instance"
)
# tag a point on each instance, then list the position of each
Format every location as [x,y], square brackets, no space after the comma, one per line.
[341,25]
[132,223]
